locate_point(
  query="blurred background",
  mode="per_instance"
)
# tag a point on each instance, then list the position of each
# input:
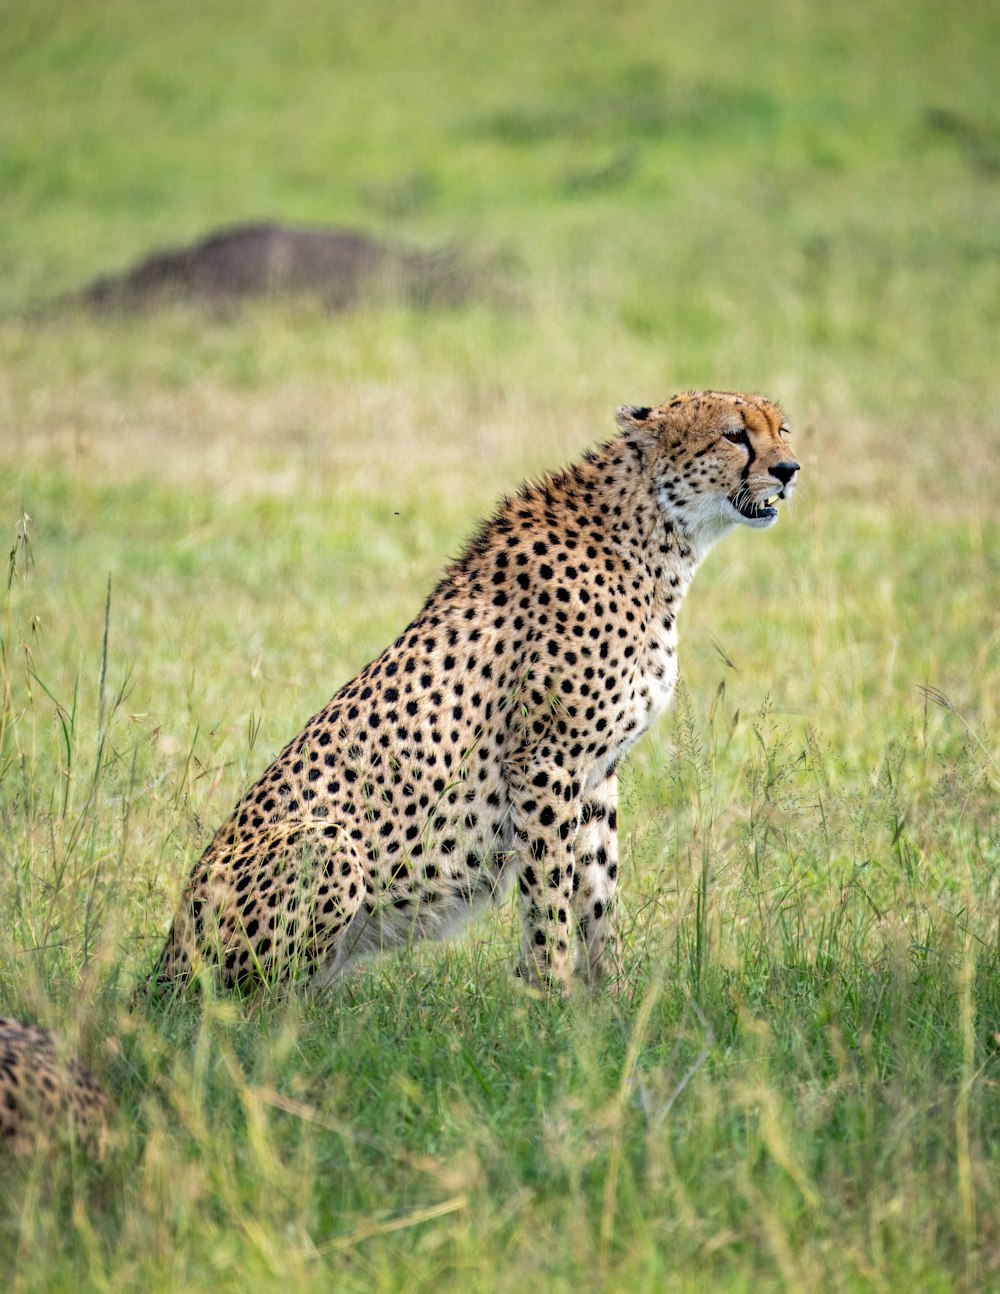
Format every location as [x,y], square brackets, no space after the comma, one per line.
[789,196]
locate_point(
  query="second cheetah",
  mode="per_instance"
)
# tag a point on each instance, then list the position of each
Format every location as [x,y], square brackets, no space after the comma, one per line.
[483,744]
[45,1094]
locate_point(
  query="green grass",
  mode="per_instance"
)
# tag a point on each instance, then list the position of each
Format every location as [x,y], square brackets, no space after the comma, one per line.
[803,1090]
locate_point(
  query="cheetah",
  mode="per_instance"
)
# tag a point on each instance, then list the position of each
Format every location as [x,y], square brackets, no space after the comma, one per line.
[42,1094]
[483,744]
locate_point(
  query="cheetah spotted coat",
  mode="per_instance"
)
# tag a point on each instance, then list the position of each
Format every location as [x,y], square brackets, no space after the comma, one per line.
[481,747]
[44,1094]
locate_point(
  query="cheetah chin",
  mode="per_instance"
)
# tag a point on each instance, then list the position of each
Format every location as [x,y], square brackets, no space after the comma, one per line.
[758,514]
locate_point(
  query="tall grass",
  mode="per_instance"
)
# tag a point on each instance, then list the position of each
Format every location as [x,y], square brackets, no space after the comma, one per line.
[800,1091]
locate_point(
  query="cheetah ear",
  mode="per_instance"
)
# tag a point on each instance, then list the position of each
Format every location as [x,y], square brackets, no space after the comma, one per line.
[631,417]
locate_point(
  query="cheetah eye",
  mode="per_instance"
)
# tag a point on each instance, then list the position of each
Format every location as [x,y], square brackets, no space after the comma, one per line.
[737,436]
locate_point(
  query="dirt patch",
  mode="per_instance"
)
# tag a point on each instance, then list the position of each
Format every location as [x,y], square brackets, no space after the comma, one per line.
[338,267]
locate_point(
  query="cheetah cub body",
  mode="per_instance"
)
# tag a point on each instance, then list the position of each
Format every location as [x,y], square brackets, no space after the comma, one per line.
[43,1093]
[482,745]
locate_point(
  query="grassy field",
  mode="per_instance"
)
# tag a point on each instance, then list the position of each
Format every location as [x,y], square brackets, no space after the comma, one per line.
[803,1091]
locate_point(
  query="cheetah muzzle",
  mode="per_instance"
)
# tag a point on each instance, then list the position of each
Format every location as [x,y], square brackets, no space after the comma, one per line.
[481,747]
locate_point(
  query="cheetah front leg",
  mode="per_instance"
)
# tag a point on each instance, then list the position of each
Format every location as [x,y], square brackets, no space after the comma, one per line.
[595,884]
[545,811]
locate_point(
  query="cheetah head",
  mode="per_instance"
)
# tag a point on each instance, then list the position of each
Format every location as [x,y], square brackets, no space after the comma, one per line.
[717,459]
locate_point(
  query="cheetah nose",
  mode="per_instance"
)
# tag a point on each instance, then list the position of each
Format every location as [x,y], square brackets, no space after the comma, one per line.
[784,471]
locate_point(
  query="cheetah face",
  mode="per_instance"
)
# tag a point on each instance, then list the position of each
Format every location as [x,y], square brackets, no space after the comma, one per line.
[718,459]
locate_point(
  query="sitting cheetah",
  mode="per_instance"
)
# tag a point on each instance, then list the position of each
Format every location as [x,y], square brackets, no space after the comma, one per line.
[42,1095]
[482,745]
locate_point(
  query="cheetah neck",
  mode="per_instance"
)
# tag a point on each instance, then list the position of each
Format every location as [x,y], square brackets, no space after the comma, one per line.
[694,525]
[648,531]
[609,498]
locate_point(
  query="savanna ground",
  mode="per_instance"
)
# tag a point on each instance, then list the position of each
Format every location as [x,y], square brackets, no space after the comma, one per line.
[803,1091]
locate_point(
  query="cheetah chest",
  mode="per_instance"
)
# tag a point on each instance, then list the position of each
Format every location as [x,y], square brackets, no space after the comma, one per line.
[648,694]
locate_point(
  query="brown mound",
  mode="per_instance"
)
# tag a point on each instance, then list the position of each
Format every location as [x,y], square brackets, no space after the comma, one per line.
[336,266]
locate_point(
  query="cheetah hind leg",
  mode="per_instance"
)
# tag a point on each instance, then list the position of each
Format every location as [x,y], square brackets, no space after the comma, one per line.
[323,913]
[341,915]
[295,917]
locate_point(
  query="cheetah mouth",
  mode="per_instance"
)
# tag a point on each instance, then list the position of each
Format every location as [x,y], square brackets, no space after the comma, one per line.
[755,513]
